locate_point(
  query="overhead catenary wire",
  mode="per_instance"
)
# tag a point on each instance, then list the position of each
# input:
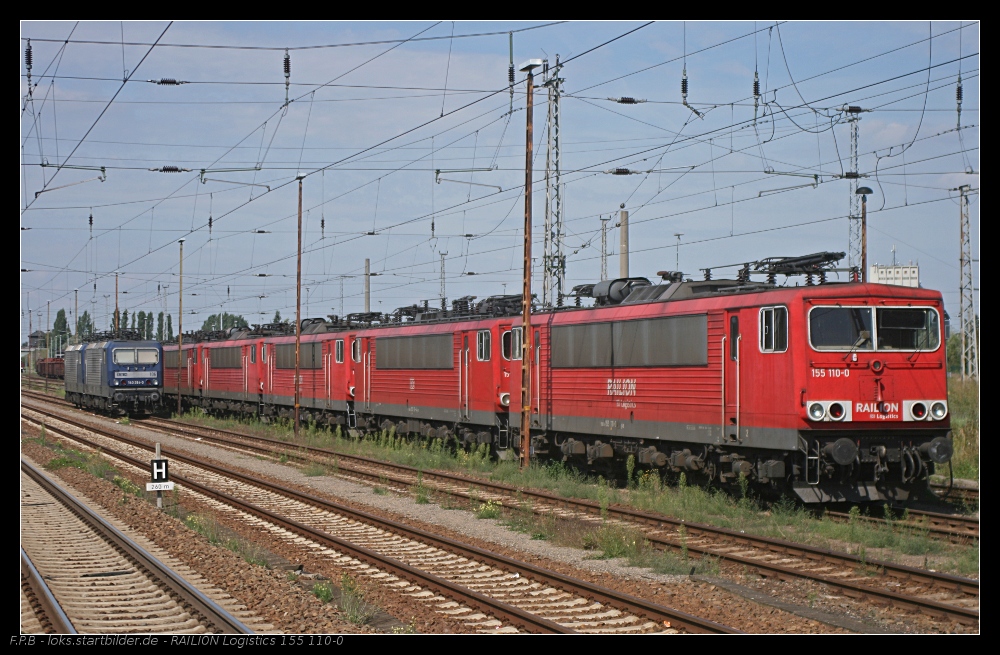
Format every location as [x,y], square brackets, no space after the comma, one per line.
[712,159]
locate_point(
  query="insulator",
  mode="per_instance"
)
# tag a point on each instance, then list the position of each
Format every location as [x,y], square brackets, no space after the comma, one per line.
[627,101]
[91,220]
[958,92]
[621,171]
[510,74]
[772,278]
[170,169]
[809,280]
[288,64]
[168,81]
[822,277]
[708,274]
[684,87]
[209,223]
[756,86]
[322,223]
[27,56]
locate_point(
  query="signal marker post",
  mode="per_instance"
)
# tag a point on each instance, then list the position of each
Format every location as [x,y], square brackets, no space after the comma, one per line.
[160,476]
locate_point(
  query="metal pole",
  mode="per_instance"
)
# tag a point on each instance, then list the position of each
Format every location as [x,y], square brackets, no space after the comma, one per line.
[117,319]
[526,291]
[159,494]
[180,326]
[864,238]
[76,313]
[298,311]
[29,346]
[604,247]
[444,298]
[623,254]
[368,286]
[48,336]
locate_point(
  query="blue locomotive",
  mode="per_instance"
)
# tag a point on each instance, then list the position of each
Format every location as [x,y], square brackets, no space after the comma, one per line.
[116,373]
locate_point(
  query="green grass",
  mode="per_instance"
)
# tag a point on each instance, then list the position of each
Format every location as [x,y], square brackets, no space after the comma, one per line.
[645,491]
[421,492]
[352,601]
[208,527]
[491,509]
[313,470]
[323,591]
[963,404]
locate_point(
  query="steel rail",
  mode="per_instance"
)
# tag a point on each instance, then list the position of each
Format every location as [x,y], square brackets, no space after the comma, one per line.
[513,614]
[53,611]
[186,592]
[967,586]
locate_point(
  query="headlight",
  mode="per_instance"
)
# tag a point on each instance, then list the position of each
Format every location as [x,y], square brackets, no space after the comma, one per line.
[939,410]
[817,411]
[919,411]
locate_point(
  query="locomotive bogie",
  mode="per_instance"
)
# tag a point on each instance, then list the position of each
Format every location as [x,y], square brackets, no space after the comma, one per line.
[831,392]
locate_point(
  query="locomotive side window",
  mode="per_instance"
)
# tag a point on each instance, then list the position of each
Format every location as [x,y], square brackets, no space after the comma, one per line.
[483,346]
[773,329]
[907,328]
[356,350]
[432,351]
[510,344]
[339,351]
[734,338]
[841,328]
[263,353]
[253,355]
[310,355]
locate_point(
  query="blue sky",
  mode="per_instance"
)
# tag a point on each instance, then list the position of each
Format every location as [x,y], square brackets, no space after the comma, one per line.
[374,109]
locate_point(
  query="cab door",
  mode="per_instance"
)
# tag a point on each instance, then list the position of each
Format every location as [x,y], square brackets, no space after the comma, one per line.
[732,347]
[464,373]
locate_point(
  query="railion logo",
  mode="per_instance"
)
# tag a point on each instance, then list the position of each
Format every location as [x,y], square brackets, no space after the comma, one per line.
[878,408]
[621,386]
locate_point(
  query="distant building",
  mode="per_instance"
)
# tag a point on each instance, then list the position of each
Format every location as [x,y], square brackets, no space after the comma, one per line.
[36,339]
[904,275]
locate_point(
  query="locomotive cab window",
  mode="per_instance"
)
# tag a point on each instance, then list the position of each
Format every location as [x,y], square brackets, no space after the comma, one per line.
[124,356]
[147,356]
[339,351]
[734,338]
[356,350]
[510,344]
[773,329]
[483,345]
[253,355]
[841,328]
[263,353]
[907,328]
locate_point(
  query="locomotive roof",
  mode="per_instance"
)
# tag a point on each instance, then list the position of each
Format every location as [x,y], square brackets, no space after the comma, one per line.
[669,291]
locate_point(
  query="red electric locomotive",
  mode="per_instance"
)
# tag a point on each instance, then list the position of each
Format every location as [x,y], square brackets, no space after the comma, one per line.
[832,391]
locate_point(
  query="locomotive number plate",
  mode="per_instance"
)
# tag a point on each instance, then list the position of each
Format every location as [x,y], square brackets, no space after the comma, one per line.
[831,372]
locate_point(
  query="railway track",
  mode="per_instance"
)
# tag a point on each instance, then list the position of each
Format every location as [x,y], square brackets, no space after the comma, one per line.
[79,574]
[956,529]
[968,495]
[938,595]
[491,589]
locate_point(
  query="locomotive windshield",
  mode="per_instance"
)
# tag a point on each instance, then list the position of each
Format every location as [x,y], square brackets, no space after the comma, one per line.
[841,328]
[895,328]
[907,328]
[136,356]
